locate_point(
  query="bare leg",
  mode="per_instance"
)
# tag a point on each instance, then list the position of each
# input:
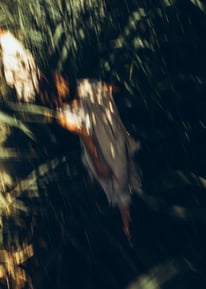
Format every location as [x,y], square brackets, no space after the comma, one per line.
[126,218]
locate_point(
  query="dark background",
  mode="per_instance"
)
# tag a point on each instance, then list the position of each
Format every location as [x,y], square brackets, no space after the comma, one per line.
[153,52]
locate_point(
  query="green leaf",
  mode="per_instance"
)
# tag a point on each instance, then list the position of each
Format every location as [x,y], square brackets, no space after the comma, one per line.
[13,121]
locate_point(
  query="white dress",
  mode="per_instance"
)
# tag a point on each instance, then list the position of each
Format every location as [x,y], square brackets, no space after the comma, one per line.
[97,113]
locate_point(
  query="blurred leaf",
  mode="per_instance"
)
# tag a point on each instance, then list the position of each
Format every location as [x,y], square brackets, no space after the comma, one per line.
[200,4]
[13,121]
[159,275]
[33,109]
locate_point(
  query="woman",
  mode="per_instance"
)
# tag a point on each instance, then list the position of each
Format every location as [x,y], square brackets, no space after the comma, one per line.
[108,149]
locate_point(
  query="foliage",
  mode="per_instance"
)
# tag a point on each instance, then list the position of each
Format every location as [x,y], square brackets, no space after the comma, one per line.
[154,53]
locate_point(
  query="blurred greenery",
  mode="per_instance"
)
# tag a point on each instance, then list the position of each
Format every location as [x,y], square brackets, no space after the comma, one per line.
[153,52]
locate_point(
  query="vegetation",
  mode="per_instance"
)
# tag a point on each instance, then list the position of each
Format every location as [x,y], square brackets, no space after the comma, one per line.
[154,54]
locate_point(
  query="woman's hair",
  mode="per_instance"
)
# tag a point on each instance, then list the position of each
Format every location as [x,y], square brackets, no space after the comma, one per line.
[53,90]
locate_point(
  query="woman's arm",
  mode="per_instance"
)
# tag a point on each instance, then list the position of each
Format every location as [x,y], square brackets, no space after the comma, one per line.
[69,124]
[88,141]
